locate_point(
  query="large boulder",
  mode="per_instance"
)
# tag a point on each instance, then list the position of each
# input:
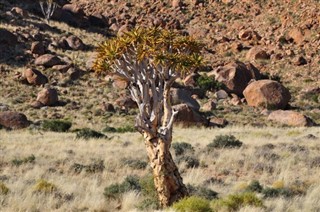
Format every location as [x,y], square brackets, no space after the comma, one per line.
[236,76]
[48,97]
[13,120]
[290,118]
[182,96]
[187,116]
[7,37]
[34,77]
[268,94]
[257,53]
[48,60]
[38,48]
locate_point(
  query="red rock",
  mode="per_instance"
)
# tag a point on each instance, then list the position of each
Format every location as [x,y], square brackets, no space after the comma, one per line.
[48,60]
[48,97]
[236,76]
[256,53]
[290,118]
[13,120]
[188,117]
[209,106]
[75,43]
[296,35]
[267,94]
[119,82]
[247,35]
[35,77]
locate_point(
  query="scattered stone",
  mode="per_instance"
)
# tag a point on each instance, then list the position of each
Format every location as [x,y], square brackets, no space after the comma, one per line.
[217,122]
[126,103]
[221,94]
[107,107]
[37,47]
[290,118]
[247,35]
[61,68]
[36,104]
[13,120]
[299,61]
[35,77]
[187,116]
[48,60]
[209,106]
[236,76]
[17,11]
[296,35]
[267,94]
[75,43]
[176,3]
[90,62]
[256,53]
[48,97]
[119,82]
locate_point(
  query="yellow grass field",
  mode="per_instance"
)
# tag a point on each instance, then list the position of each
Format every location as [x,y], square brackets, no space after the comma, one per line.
[292,159]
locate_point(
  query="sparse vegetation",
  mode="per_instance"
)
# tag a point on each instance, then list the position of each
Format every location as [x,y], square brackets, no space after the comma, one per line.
[224,141]
[18,162]
[56,125]
[4,190]
[87,133]
[43,186]
[193,203]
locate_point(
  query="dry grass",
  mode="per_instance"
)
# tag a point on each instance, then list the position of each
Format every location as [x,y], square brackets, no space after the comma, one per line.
[56,153]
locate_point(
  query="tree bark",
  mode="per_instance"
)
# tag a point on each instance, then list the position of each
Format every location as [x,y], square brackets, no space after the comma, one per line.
[167,179]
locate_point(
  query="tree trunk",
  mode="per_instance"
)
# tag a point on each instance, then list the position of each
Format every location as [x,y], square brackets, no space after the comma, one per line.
[167,179]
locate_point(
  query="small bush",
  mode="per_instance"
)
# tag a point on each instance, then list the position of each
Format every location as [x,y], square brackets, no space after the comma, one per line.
[148,190]
[224,141]
[95,167]
[42,186]
[4,190]
[207,83]
[203,192]
[87,133]
[181,148]
[236,201]
[193,203]
[135,164]
[29,159]
[109,129]
[125,129]
[276,192]
[189,161]
[56,125]
[254,186]
[115,190]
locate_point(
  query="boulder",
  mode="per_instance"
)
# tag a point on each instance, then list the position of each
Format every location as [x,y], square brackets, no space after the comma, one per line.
[182,96]
[7,37]
[296,35]
[35,77]
[236,76]
[75,43]
[48,60]
[13,120]
[290,118]
[209,106]
[48,97]
[187,116]
[125,103]
[257,53]
[119,82]
[37,48]
[247,35]
[191,80]
[268,94]
[176,3]
[90,62]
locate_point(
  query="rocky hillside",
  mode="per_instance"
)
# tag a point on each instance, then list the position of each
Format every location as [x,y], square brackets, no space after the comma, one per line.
[262,61]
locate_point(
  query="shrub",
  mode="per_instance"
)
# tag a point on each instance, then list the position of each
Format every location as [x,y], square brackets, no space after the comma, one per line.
[148,190]
[254,186]
[135,164]
[189,161]
[224,141]
[115,190]
[29,159]
[181,148]
[207,83]
[95,167]
[201,191]
[236,201]
[87,133]
[109,129]
[193,203]
[56,125]
[42,186]
[276,192]
[4,190]
[125,129]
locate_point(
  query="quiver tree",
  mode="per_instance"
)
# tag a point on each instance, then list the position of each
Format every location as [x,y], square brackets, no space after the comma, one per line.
[151,60]
[47,8]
